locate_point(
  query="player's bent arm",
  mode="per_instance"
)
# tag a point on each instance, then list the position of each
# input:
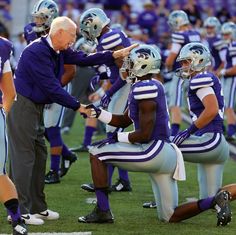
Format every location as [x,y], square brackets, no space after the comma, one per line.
[211,110]
[147,119]
[8,89]
[170,60]
[230,72]
[116,120]
[69,73]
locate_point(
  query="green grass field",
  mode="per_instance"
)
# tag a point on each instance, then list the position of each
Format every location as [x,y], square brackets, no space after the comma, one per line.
[130,218]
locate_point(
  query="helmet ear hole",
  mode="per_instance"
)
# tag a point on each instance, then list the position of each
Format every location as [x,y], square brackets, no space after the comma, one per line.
[143,66]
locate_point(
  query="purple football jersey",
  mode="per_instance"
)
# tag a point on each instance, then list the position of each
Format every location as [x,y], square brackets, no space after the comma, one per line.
[215,45]
[150,89]
[196,107]
[109,41]
[184,38]
[230,55]
[5,52]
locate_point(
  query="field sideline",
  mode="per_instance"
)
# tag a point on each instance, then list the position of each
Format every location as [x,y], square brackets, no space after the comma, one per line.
[130,218]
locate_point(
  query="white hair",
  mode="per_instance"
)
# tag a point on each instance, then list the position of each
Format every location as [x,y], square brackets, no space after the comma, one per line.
[61,22]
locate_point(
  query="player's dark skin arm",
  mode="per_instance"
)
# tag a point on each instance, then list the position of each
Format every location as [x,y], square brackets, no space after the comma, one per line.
[122,121]
[147,118]
[231,71]
[69,73]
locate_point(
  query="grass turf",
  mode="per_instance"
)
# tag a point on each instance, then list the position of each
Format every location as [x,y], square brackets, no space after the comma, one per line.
[130,218]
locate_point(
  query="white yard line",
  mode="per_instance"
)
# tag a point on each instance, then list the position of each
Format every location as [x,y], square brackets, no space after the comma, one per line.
[75,233]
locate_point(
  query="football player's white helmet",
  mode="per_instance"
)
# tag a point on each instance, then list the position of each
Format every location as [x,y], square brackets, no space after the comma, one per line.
[92,23]
[213,22]
[198,56]
[43,13]
[229,28]
[142,60]
[176,19]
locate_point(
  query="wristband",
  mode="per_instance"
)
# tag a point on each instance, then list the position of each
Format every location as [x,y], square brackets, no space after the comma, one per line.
[100,92]
[123,137]
[105,116]
[222,72]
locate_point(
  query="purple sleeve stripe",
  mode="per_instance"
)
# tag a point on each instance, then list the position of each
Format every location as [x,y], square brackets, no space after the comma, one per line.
[144,92]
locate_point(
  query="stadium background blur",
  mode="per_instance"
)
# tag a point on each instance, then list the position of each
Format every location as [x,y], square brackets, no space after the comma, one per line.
[15,14]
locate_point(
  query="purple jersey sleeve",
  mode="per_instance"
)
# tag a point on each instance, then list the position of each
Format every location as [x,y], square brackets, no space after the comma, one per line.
[197,82]
[196,106]
[230,55]
[113,39]
[5,52]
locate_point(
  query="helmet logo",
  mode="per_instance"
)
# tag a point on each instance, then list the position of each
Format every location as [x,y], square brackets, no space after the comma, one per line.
[88,19]
[196,49]
[143,53]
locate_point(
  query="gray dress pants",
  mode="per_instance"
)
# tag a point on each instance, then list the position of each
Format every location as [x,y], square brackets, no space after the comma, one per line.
[28,154]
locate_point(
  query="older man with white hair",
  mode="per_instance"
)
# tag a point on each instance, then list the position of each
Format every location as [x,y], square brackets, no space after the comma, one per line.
[37,82]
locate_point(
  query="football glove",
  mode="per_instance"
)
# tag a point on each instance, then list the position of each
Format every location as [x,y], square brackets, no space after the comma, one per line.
[183,135]
[94,82]
[29,33]
[110,140]
[95,111]
[105,100]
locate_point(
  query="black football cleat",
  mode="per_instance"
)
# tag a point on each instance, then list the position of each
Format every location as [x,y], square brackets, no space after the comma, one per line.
[121,186]
[231,139]
[149,205]
[66,162]
[82,149]
[97,216]
[221,204]
[52,177]
[19,228]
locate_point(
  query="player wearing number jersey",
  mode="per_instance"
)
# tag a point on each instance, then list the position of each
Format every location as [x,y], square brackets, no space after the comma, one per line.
[228,73]
[147,148]
[215,42]
[8,191]
[44,11]
[182,34]
[203,142]
[94,26]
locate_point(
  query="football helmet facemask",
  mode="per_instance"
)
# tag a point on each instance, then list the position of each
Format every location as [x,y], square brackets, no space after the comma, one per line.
[85,45]
[229,28]
[212,22]
[43,13]
[92,23]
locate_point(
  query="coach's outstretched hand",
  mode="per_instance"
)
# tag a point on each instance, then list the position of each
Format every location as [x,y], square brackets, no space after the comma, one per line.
[84,112]
[122,53]
[94,111]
